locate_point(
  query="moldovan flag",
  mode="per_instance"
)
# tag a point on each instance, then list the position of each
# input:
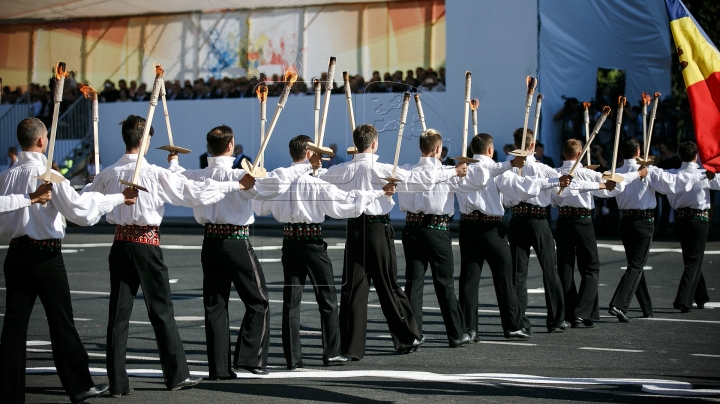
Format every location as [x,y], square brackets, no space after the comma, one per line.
[700,63]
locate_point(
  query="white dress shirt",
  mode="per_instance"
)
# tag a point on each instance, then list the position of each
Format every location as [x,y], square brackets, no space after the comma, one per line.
[585,199]
[698,197]
[237,208]
[309,199]
[489,200]
[641,194]
[44,222]
[163,187]
[535,169]
[440,200]
[366,174]
[14,202]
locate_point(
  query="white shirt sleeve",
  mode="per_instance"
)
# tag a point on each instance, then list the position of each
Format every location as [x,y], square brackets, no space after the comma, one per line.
[514,187]
[14,202]
[179,190]
[420,180]
[668,183]
[84,209]
[277,181]
[339,204]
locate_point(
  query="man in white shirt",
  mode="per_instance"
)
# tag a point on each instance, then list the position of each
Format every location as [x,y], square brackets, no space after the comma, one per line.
[692,221]
[575,238]
[637,223]
[9,203]
[529,228]
[482,236]
[229,258]
[370,247]
[34,267]
[302,210]
[136,258]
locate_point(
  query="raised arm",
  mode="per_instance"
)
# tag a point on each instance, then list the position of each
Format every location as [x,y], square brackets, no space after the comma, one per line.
[416,180]
[87,208]
[179,190]
[514,187]
[339,204]
[668,183]
[277,181]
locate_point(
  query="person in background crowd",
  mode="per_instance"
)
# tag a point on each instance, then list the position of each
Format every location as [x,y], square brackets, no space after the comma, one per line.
[541,157]
[239,156]
[446,160]
[571,117]
[204,158]
[507,149]
[12,156]
[336,159]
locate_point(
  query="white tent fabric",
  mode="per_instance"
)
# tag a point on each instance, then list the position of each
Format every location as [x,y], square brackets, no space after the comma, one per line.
[578,37]
[63,9]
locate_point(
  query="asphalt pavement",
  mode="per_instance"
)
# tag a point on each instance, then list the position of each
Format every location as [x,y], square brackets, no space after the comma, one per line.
[666,359]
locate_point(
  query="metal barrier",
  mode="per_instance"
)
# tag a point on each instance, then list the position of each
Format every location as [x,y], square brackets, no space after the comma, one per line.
[8,125]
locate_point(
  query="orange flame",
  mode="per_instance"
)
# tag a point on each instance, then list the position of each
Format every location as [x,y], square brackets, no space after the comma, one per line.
[646,98]
[657,95]
[262,91]
[474,104]
[606,110]
[586,105]
[87,91]
[159,71]
[622,100]
[60,72]
[291,76]
[531,83]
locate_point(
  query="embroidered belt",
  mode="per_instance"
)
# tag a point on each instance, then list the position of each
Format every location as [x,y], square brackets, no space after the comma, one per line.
[477,216]
[638,214]
[373,218]
[26,243]
[438,222]
[570,212]
[138,234]
[227,231]
[302,231]
[524,209]
[690,213]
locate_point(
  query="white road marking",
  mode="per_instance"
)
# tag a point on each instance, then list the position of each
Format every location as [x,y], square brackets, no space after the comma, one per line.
[506,343]
[181,247]
[173,281]
[82,319]
[538,290]
[611,349]
[131,357]
[69,251]
[268,248]
[37,343]
[645,268]
[189,318]
[705,355]
[654,386]
[140,322]
[269,260]
[680,320]
[712,305]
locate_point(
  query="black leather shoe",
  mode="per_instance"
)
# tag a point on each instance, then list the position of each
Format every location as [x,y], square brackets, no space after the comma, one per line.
[293,366]
[118,394]
[336,361]
[614,311]
[231,375]
[421,340]
[528,331]
[700,306]
[473,336]
[464,340]
[580,322]
[684,309]
[189,382]
[95,391]
[521,334]
[407,348]
[255,371]
[650,315]
[560,327]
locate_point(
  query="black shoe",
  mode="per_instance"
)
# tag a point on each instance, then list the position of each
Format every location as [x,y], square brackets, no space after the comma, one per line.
[579,322]
[422,341]
[651,315]
[528,331]
[95,391]
[474,337]
[521,334]
[560,327]
[337,360]
[464,340]
[684,309]
[407,348]
[231,375]
[118,394]
[293,366]
[253,370]
[700,306]
[614,311]
[189,382]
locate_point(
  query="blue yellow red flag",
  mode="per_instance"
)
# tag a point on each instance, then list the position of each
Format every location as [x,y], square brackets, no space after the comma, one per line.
[700,64]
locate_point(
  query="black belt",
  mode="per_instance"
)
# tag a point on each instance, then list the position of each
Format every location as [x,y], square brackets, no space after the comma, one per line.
[26,243]
[437,222]
[302,231]
[372,218]
[570,212]
[638,214]
[690,213]
[477,216]
[524,209]
[227,231]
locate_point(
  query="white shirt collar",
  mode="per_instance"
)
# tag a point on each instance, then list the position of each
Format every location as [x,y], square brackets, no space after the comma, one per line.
[429,160]
[569,164]
[530,159]
[25,156]
[483,158]
[366,156]
[221,161]
[294,163]
[131,158]
[631,161]
[689,164]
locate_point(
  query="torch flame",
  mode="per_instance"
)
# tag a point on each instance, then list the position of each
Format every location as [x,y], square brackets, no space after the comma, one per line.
[60,72]
[606,110]
[657,95]
[646,98]
[531,84]
[87,91]
[474,104]
[622,100]
[262,91]
[291,76]
[159,71]
[586,105]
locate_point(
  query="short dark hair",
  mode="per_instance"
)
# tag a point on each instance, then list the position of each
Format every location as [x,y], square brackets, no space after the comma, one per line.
[12,150]
[363,136]
[518,136]
[538,144]
[29,130]
[132,131]
[298,146]
[429,140]
[628,147]
[688,151]
[480,143]
[219,138]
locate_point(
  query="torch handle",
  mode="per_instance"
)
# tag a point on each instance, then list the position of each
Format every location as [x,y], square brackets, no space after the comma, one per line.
[167,117]
[651,124]
[618,126]
[261,159]
[536,127]
[463,148]
[317,126]
[59,87]
[475,122]
[144,142]
[264,143]
[528,103]
[587,133]
[586,148]
[323,121]
[97,147]
[421,114]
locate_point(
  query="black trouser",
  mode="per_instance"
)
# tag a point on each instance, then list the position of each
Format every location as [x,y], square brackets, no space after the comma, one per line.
[132,265]
[228,262]
[370,255]
[302,260]
[526,232]
[575,237]
[480,242]
[29,275]
[636,237]
[693,236]
[432,247]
